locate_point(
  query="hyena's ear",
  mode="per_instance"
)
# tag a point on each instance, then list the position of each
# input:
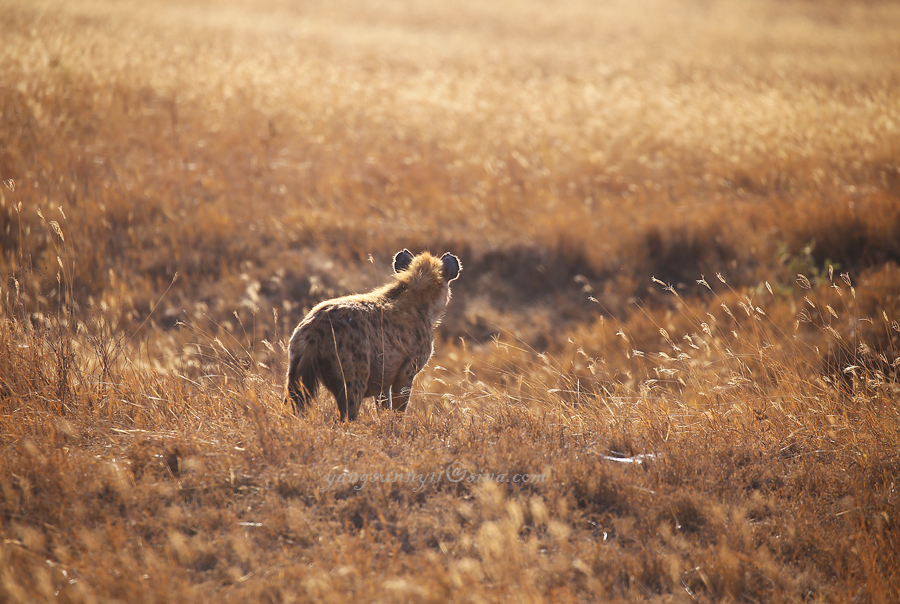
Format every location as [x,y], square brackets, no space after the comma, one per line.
[452,266]
[402,260]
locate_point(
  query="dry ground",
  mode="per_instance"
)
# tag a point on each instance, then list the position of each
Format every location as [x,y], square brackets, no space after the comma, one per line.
[680,227]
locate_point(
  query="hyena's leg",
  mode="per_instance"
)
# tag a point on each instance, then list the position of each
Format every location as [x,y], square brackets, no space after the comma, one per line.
[348,400]
[401,399]
[348,369]
[402,386]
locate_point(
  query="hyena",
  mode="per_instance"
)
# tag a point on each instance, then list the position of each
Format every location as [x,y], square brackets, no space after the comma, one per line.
[372,344]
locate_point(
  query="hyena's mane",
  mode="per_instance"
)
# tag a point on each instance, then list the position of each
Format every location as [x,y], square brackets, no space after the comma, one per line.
[422,279]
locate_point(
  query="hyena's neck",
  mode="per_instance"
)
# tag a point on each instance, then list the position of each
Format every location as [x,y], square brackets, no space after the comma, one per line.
[406,302]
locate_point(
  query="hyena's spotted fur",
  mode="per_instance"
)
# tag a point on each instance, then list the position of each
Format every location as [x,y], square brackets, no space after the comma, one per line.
[372,344]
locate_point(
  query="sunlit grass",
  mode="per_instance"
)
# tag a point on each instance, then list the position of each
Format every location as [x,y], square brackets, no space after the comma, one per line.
[679,311]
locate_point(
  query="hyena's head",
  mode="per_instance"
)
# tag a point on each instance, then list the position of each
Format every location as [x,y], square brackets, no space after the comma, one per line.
[427,279]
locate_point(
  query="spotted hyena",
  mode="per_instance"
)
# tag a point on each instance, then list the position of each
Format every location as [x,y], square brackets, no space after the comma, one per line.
[372,344]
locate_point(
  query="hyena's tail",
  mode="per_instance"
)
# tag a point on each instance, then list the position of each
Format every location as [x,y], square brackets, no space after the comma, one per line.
[302,374]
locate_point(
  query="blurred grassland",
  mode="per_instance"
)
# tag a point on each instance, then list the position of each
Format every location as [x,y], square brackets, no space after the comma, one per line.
[680,228]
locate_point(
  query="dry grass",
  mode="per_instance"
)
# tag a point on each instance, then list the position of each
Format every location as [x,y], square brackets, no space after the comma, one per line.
[183,181]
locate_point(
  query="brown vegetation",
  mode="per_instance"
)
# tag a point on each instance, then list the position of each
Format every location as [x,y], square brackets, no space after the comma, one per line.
[679,315]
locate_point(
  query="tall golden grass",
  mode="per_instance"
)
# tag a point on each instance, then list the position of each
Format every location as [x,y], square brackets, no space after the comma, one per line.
[679,315]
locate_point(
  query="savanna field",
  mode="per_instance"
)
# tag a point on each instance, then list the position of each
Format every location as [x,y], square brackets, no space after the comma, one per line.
[669,370]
